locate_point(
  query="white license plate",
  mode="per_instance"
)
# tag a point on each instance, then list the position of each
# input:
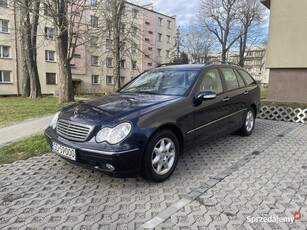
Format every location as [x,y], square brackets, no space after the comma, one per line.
[64,151]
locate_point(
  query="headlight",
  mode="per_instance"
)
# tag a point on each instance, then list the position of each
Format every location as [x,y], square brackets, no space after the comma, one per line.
[114,135]
[54,120]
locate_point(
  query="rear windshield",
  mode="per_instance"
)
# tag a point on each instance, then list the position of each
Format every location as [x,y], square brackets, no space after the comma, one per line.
[162,82]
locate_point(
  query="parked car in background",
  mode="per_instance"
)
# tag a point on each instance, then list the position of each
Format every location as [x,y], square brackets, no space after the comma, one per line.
[144,127]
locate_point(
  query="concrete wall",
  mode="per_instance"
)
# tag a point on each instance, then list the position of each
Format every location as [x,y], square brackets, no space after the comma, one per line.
[287,43]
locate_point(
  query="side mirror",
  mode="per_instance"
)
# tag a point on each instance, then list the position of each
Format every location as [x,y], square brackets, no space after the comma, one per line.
[204,96]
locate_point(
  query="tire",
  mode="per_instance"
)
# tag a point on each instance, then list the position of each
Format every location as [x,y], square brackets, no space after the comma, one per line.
[161,156]
[249,123]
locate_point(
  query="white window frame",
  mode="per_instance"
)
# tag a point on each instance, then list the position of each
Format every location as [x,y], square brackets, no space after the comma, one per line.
[159,52]
[94,60]
[109,62]
[2,52]
[169,24]
[2,80]
[168,39]
[53,74]
[95,79]
[123,64]
[48,56]
[112,80]
[159,37]
[1,26]
[160,21]
[49,33]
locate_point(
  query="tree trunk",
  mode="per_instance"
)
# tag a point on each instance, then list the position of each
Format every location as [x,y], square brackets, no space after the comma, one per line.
[66,93]
[29,42]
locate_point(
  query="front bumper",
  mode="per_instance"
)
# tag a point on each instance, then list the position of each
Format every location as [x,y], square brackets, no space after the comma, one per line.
[126,162]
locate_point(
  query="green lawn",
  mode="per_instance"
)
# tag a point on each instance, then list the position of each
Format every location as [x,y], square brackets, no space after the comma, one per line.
[14,109]
[21,150]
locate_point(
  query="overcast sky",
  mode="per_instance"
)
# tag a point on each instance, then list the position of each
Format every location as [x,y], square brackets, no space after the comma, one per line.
[183,9]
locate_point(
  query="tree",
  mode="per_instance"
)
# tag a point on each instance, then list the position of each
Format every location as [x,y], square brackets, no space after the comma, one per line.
[29,16]
[182,59]
[251,14]
[199,42]
[220,17]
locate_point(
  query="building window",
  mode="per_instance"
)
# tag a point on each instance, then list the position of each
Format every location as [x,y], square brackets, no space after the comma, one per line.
[3,3]
[134,64]
[122,63]
[150,48]
[146,39]
[94,41]
[159,37]
[94,21]
[134,48]
[160,21]
[93,2]
[159,51]
[94,60]
[5,76]
[150,64]
[95,79]
[5,52]
[134,31]
[50,79]
[147,23]
[168,39]
[50,55]
[134,13]
[150,32]
[109,62]
[109,44]
[109,80]
[4,26]
[167,53]
[169,24]
[49,33]
[146,56]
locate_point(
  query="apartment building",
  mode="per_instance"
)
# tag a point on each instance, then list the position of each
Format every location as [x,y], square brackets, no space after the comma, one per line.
[287,48]
[150,42]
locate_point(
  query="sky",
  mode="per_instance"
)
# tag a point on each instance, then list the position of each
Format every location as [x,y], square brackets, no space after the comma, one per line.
[183,9]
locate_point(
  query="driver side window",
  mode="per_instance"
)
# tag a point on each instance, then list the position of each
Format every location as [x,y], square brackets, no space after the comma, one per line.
[212,81]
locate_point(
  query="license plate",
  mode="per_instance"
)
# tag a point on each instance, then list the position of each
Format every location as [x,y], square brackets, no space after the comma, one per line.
[64,151]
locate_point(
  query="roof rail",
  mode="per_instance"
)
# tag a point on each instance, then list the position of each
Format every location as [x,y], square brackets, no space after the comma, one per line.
[221,62]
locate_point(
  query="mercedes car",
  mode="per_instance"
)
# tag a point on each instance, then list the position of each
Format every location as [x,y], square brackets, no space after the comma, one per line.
[144,127]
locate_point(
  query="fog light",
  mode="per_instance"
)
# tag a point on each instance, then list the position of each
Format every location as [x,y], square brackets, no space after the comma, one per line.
[110,167]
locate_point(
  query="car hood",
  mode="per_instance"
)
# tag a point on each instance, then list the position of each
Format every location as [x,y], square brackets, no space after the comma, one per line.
[117,106]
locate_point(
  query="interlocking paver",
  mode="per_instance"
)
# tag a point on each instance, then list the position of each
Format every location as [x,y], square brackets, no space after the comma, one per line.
[216,185]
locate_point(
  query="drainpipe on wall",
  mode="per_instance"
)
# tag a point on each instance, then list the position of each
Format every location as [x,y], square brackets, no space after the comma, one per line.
[16,49]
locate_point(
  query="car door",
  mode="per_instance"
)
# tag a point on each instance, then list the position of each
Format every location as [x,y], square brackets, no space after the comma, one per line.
[236,95]
[211,116]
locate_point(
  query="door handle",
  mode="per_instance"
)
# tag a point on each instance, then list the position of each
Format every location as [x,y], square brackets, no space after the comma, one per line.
[246,92]
[226,99]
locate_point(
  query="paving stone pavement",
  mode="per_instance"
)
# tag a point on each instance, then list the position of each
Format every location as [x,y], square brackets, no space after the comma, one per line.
[221,184]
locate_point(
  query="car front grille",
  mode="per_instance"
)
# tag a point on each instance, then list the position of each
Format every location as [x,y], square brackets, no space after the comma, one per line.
[73,131]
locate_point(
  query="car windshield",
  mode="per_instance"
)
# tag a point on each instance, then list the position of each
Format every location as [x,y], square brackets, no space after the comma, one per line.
[163,82]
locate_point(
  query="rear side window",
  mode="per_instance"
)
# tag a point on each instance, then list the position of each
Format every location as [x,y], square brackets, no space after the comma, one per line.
[212,81]
[230,78]
[248,79]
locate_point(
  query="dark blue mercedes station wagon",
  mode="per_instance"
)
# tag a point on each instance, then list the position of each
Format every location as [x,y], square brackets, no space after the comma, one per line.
[144,127]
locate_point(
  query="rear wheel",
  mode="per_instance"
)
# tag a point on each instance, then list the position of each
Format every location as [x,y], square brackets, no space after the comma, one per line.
[161,156]
[249,123]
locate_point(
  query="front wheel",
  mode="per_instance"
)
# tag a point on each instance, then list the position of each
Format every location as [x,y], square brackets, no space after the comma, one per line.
[161,156]
[249,123]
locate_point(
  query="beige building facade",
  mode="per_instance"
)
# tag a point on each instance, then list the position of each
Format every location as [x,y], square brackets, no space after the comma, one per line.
[150,43]
[287,49]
